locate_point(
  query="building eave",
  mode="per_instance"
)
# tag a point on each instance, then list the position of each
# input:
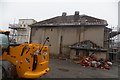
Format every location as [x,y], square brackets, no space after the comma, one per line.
[71,24]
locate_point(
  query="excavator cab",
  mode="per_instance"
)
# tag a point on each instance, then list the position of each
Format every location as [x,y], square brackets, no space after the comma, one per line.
[4,42]
[23,60]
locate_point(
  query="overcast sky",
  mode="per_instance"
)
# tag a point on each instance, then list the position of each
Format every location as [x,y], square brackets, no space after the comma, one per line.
[12,10]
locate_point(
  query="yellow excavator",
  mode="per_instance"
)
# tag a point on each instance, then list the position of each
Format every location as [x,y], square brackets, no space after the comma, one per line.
[28,61]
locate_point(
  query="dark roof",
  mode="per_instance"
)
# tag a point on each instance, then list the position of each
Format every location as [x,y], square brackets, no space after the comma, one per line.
[108,29]
[114,33]
[71,20]
[87,45]
[17,28]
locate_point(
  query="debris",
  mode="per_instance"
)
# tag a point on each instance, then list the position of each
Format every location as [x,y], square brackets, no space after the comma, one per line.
[91,61]
[109,63]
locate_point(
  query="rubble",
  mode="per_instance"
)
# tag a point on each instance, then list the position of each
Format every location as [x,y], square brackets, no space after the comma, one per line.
[91,61]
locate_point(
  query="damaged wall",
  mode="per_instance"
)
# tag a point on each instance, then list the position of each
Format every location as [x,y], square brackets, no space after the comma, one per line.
[62,37]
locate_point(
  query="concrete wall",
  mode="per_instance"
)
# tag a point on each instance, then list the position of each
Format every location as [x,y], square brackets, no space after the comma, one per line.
[39,35]
[62,37]
[24,34]
[70,36]
[95,34]
[100,55]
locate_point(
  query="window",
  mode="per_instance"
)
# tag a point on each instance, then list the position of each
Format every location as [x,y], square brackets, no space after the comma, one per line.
[3,42]
[24,25]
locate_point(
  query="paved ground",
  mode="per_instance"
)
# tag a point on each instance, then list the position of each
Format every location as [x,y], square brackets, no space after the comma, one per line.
[0,73]
[69,69]
[0,70]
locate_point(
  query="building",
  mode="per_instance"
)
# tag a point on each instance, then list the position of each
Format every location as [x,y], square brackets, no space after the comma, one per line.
[20,32]
[114,50]
[114,44]
[67,30]
[119,25]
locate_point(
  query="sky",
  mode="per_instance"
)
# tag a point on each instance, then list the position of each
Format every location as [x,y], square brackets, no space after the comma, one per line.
[12,10]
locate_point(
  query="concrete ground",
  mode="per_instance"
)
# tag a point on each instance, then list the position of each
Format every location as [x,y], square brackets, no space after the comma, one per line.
[0,70]
[69,69]
[0,73]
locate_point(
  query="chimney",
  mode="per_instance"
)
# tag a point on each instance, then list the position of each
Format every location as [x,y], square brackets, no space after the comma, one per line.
[64,14]
[76,13]
[76,16]
[63,19]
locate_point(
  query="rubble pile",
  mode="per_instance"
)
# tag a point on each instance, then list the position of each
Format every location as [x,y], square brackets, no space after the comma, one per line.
[93,62]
